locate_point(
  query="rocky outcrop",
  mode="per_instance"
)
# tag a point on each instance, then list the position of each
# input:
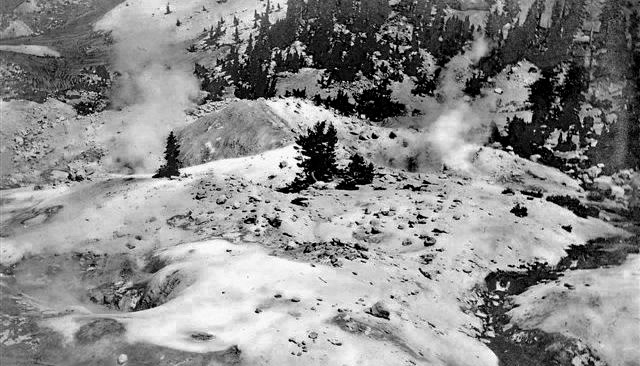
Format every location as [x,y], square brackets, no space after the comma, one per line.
[241,128]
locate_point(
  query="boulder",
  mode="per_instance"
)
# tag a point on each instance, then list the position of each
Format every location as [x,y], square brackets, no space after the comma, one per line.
[379,310]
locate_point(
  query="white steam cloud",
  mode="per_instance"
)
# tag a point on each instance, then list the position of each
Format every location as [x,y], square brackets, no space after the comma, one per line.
[449,137]
[155,87]
[456,134]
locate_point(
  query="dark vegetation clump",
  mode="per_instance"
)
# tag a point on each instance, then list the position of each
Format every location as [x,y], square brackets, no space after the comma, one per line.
[546,47]
[376,103]
[473,85]
[573,204]
[318,162]
[296,93]
[519,210]
[340,103]
[426,84]
[357,173]
[494,134]
[214,34]
[532,193]
[508,191]
[317,156]
[346,38]
[211,82]
[599,252]
[172,165]
[557,97]
[85,108]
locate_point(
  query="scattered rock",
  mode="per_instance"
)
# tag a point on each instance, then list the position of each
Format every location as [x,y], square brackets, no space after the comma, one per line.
[98,329]
[424,273]
[300,201]
[202,336]
[532,193]
[379,310]
[429,241]
[508,191]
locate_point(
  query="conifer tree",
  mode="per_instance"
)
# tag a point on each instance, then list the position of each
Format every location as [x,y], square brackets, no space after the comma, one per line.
[571,97]
[473,85]
[172,165]
[236,36]
[318,152]
[543,95]
[357,172]
[256,18]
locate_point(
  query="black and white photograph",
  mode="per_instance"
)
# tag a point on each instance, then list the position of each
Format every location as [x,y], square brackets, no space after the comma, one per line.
[320,182]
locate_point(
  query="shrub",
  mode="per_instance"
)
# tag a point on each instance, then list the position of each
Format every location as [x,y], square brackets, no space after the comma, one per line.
[376,103]
[573,204]
[296,93]
[473,85]
[358,172]
[340,103]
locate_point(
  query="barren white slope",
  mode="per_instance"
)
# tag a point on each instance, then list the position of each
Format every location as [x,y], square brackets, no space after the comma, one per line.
[602,307]
[427,324]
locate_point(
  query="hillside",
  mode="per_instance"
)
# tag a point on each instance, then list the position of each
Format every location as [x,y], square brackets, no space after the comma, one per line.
[331,260]
[249,182]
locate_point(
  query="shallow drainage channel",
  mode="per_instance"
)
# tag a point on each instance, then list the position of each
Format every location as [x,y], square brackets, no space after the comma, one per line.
[532,347]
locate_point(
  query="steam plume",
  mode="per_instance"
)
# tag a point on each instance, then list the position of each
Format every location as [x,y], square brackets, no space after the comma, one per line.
[155,87]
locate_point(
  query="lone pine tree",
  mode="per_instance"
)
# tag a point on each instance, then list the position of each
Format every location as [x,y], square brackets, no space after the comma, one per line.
[318,153]
[172,165]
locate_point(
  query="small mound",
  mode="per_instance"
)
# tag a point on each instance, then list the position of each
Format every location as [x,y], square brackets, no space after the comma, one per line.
[242,128]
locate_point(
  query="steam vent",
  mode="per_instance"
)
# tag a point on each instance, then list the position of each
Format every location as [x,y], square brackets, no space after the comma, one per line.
[319,182]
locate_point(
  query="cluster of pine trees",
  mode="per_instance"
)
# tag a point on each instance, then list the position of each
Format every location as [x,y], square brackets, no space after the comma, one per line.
[545,46]
[318,162]
[618,146]
[347,39]
[251,71]
[558,95]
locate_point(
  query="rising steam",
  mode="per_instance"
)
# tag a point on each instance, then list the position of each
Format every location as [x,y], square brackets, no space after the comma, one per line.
[155,87]
[456,133]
